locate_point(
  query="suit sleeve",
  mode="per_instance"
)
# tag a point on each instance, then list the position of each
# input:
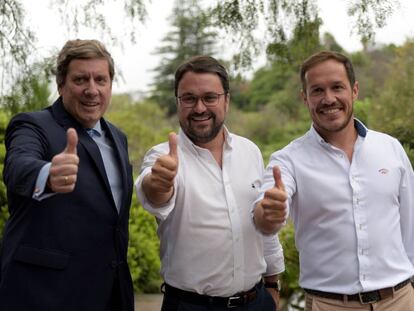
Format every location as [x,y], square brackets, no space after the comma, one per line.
[26,154]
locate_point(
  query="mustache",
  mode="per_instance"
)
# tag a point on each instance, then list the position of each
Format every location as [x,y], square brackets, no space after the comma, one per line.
[330,106]
[196,115]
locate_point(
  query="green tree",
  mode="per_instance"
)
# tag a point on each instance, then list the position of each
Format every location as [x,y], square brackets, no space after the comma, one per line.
[393,110]
[18,49]
[191,35]
[31,89]
[242,18]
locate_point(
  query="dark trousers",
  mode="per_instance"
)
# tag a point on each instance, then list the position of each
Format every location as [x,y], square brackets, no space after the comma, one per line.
[263,302]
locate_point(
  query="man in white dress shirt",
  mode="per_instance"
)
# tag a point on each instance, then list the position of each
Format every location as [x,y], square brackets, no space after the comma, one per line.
[201,185]
[350,192]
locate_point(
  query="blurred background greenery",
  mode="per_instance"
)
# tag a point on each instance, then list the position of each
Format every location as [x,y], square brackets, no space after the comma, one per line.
[265,108]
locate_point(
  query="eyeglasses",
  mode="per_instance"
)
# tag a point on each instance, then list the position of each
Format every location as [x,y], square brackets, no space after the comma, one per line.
[208,99]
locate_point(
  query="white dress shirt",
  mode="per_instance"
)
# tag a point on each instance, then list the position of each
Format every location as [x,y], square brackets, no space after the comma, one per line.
[209,243]
[354,221]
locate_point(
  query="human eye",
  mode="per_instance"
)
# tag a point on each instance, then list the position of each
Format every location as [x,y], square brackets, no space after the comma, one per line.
[79,80]
[210,98]
[188,99]
[101,80]
[316,91]
[338,87]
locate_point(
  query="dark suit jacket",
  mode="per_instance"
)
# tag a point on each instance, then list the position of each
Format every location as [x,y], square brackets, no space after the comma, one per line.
[64,252]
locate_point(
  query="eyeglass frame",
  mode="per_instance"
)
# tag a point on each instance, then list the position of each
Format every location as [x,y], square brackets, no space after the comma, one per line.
[197,98]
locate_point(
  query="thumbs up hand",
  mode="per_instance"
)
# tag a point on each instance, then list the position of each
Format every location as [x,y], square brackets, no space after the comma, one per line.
[271,212]
[158,186]
[64,169]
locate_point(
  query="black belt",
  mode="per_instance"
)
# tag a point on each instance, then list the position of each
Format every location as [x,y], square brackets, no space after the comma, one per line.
[364,298]
[236,300]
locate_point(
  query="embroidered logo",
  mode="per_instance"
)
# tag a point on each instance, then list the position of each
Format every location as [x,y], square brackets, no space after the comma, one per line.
[383,171]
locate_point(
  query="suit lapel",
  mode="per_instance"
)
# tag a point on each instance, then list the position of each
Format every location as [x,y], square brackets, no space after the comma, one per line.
[67,121]
[122,157]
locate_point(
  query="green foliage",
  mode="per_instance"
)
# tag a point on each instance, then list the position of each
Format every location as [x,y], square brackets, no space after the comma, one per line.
[242,18]
[143,250]
[18,42]
[290,278]
[266,81]
[362,110]
[31,90]
[4,214]
[144,123]
[370,14]
[191,36]
[393,111]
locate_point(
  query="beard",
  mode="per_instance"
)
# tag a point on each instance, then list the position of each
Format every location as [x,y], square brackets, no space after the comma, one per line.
[328,127]
[201,135]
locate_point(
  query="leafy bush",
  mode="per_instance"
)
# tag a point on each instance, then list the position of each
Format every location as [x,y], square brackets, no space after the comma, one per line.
[4,214]
[143,250]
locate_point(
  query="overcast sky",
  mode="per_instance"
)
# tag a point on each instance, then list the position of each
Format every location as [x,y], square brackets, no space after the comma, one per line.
[136,61]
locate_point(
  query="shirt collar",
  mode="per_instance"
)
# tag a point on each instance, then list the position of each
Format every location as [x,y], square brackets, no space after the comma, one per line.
[359,126]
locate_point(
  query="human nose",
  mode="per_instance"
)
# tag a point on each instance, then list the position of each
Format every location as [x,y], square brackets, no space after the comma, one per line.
[199,105]
[91,88]
[329,98]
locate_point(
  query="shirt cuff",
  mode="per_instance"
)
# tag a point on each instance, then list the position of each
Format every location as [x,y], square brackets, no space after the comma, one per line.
[161,212]
[41,181]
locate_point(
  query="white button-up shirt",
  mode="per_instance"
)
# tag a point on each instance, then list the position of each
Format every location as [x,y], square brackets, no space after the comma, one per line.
[209,243]
[354,221]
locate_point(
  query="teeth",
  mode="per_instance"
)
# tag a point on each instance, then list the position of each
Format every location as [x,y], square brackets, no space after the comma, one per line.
[333,110]
[200,119]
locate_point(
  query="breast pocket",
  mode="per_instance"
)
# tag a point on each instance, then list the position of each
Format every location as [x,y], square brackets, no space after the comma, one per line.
[52,259]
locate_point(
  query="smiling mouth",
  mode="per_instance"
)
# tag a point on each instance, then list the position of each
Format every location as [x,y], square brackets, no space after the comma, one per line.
[331,110]
[90,104]
[200,118]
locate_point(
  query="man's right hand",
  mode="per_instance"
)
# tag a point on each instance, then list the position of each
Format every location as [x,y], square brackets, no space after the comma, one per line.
[271,212]
[64,168]
[158,186]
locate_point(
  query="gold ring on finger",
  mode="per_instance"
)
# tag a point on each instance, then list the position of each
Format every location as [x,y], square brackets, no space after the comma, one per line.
[66,180]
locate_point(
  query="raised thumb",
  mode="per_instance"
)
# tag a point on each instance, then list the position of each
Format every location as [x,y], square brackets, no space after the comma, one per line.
[71,141]
[172,143]
[277,175]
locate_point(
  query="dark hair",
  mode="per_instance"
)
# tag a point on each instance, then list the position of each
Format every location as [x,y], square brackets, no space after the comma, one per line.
[202,64]
[320,57]
[80,49]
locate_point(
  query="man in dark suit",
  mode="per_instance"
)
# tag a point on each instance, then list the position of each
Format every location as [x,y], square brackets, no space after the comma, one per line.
[69,185]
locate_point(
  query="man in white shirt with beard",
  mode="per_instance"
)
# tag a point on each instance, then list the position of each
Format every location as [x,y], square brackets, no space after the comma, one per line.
[350,192]
[201,185]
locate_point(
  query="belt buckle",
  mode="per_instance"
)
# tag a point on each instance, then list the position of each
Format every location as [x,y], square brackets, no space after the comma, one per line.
[231,300]
[367,302]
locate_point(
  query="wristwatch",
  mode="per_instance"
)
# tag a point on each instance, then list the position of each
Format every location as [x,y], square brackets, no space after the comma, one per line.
[276,285]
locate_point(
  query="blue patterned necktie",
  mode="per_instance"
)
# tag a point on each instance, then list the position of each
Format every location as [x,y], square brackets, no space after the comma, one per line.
[93,132]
